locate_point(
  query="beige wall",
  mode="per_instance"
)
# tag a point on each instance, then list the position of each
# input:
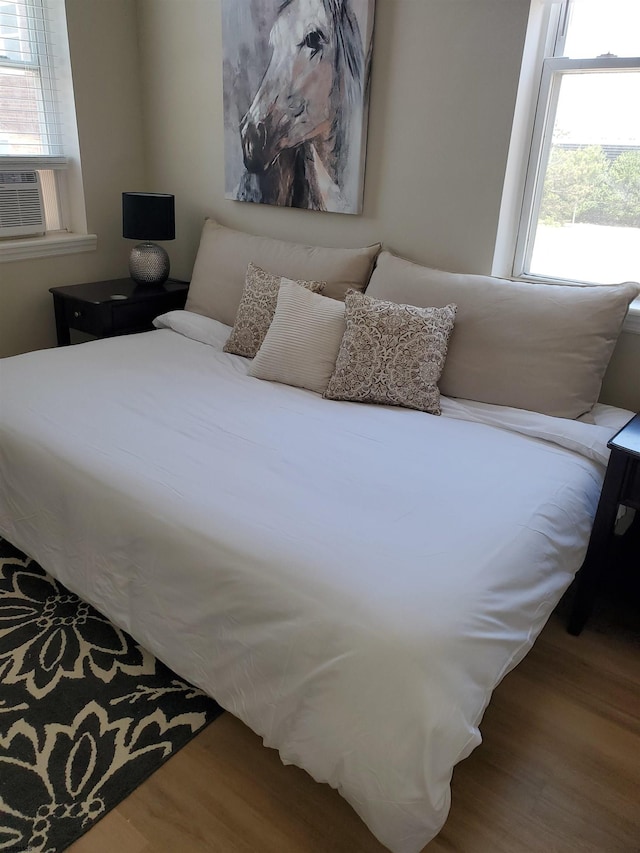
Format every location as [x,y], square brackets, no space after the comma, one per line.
[444,83]
[621,385]
[104,60]
[443,90]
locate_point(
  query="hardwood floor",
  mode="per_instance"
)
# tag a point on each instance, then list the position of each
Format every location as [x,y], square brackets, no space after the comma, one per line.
[558,771]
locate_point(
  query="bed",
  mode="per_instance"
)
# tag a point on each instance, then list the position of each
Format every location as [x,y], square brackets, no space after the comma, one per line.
[350,580]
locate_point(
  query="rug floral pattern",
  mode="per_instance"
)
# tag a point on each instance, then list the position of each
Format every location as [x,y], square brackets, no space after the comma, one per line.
[86,714]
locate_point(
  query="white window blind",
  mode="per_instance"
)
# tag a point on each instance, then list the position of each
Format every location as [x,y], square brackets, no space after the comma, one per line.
[38,131]
[30,120]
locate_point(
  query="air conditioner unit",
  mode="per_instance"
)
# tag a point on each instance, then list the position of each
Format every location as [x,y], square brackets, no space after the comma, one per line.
[21,205]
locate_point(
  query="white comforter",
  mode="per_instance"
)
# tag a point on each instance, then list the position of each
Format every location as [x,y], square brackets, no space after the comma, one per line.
[352,581]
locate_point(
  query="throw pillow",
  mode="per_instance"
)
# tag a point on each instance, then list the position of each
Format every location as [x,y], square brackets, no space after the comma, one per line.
[391,353]
[256,310]
[302,343]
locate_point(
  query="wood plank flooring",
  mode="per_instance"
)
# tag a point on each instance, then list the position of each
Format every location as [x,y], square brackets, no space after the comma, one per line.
[558,771]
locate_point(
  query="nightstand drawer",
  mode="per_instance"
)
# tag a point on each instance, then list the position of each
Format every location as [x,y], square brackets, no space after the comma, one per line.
[84,316]
[631,488]
[135,315]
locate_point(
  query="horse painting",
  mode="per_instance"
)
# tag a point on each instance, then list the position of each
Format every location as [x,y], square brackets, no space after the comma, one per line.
[300,139]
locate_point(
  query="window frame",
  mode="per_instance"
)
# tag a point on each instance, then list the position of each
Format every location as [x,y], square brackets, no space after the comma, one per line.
[553,71]
[46,24]
[545,36]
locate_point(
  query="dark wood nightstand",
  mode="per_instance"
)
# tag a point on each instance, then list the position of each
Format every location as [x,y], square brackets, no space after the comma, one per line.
[621,486]
[117,307]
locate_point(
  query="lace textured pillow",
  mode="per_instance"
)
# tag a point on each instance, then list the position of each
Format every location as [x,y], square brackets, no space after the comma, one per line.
[256,310]
[391,353]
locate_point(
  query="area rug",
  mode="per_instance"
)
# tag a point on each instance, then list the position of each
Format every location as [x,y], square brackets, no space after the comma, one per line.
[86,714]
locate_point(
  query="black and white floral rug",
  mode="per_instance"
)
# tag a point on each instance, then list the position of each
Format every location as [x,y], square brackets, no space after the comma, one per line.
[86,714]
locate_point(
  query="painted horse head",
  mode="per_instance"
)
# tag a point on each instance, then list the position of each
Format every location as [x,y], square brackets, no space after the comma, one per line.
[314,75]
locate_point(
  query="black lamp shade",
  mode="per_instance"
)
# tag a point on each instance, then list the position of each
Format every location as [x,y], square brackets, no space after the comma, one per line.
[148,216]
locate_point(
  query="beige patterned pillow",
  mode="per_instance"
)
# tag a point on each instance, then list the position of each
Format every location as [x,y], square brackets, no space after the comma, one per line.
[256,310]
[391,353]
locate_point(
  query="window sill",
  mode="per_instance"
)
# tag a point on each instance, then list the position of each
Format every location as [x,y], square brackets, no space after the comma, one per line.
[60,243]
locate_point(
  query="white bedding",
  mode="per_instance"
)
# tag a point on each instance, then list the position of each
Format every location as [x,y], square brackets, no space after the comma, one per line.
[352,581]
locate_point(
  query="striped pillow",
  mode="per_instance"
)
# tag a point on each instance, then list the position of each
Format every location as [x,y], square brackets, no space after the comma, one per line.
[302,343]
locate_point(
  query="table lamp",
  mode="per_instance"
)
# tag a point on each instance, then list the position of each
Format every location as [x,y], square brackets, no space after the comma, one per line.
[147,217]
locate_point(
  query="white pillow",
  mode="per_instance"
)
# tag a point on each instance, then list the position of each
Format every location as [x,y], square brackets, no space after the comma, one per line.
[303,340]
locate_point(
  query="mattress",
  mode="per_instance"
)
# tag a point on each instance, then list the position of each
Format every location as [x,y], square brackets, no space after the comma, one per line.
[351,581]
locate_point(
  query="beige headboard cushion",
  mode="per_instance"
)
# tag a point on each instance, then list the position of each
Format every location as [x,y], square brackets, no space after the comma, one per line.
[541,347]
[224,254]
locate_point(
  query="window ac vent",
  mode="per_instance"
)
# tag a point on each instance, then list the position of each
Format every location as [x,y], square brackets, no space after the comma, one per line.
[21,205]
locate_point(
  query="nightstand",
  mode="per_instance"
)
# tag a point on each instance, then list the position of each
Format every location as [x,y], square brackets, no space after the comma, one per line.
[621,486]
[116,307]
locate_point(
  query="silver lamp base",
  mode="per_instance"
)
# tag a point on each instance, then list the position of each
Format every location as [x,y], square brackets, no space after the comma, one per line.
[149,264]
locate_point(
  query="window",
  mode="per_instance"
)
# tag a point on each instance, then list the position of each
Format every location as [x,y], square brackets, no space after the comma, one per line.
[580,217]
[34,98]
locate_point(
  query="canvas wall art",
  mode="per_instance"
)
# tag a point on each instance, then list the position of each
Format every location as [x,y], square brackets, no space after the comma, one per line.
[296,93]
